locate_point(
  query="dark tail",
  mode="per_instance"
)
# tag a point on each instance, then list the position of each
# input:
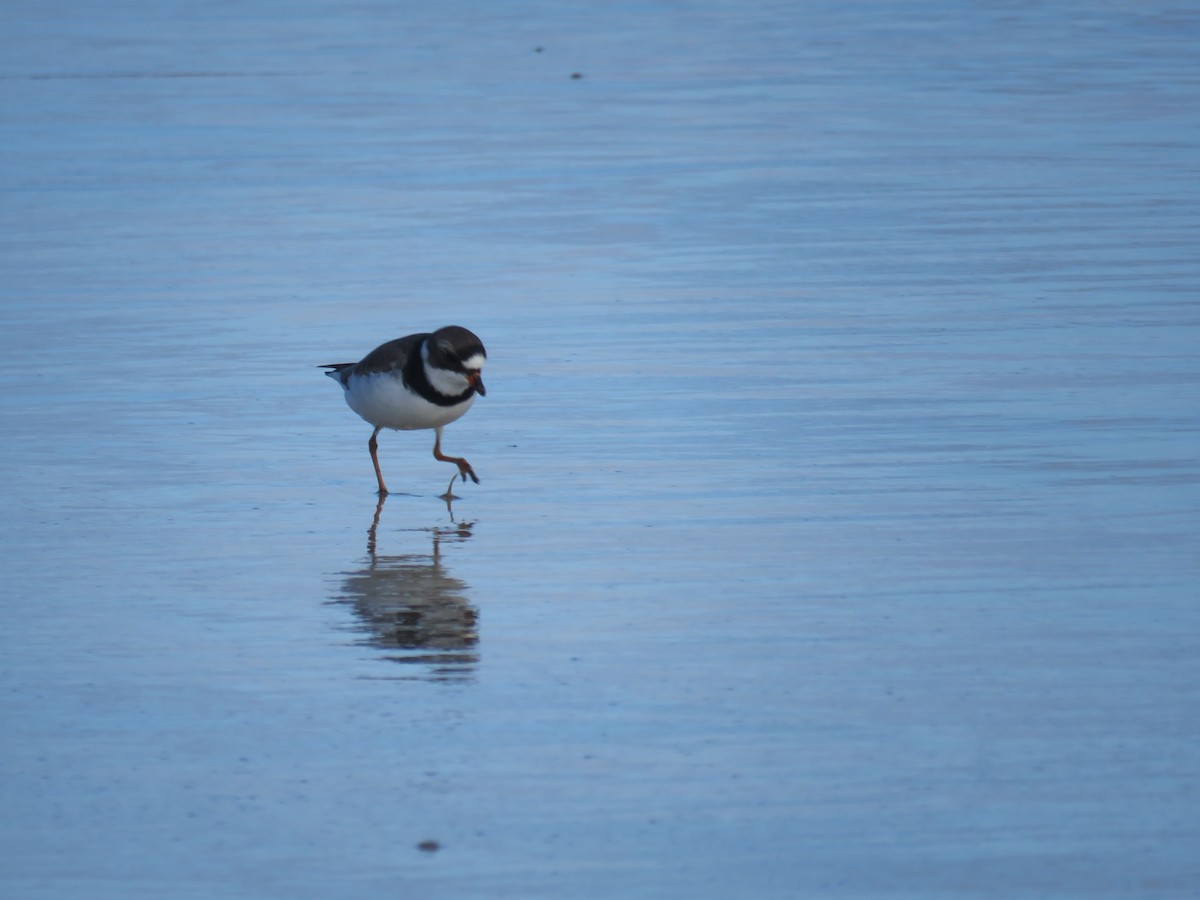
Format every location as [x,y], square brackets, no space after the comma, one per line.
[334,370]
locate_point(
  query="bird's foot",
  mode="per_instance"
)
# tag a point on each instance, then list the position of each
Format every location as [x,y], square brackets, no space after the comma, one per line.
[465,471]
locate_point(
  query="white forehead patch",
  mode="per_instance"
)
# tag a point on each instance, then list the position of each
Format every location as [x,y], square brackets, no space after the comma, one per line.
[475,363]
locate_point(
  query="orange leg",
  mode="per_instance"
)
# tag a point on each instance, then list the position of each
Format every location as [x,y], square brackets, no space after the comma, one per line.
[373,446]
[464,468]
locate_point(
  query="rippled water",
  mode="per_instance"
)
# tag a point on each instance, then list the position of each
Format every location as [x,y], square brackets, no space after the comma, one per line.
[839,461]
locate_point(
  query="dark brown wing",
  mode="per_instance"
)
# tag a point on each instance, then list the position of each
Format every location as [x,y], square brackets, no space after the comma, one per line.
[389,357]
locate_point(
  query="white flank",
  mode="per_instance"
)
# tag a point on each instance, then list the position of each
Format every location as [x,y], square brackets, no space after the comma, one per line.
[382,400]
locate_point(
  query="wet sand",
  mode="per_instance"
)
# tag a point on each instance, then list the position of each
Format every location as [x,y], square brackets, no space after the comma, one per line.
[839,478]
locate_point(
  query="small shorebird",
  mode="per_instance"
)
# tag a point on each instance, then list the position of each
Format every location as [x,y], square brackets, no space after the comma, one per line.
[418,381]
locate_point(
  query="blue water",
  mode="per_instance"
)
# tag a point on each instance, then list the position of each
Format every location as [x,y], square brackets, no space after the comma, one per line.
[839,461]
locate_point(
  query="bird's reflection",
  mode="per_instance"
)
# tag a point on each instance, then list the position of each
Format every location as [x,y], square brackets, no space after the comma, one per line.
[410,606]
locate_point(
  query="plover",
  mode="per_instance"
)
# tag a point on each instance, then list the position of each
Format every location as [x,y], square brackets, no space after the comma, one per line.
[414,382]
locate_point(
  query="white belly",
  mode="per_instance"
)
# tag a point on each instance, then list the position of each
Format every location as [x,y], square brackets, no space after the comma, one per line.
[382,400]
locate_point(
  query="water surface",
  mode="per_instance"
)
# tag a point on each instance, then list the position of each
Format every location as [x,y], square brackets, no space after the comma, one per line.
[839,475]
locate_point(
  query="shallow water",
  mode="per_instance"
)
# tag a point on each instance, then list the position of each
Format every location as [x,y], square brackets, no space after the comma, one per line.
[839,474]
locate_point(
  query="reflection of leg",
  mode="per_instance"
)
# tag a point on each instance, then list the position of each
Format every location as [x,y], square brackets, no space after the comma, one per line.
[375,526]
[373,446]
[464,468]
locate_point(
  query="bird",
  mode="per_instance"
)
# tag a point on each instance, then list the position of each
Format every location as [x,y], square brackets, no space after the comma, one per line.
[419,381]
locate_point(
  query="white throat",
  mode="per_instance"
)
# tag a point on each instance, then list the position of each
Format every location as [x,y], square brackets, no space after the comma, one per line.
[444,381]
